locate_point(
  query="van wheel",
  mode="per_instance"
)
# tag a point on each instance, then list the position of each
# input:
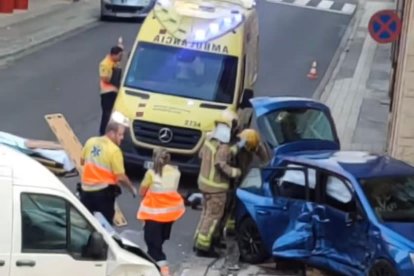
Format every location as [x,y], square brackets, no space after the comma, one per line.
[250,243]
[382,268]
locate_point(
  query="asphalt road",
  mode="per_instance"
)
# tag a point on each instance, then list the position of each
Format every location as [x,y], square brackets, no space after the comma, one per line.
[64,78]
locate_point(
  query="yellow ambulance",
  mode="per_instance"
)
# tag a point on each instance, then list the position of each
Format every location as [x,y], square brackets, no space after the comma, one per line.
[191,60]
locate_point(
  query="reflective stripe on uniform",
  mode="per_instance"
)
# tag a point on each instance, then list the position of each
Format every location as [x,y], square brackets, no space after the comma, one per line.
[93,188]
[107,87]
[158,211]
[210,181]
[94,174]
[203,242]
[162,202]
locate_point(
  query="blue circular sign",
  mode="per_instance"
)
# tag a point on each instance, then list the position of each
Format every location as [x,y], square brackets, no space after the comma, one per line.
[385,26]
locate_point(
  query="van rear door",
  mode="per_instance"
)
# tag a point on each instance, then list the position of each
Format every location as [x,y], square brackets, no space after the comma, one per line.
[6,215]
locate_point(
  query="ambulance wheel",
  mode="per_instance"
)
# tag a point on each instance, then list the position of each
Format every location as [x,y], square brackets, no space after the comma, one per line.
[250,243]
[382,268]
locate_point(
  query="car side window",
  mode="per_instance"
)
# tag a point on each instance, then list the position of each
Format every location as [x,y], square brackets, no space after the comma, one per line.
[51,224]
[338,194]
[291,183]
[252,181]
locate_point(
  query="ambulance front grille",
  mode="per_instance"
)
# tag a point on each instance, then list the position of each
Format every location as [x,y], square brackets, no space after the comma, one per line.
[182,138]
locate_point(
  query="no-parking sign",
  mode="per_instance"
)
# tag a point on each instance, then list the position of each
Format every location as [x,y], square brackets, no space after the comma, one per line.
[385,26]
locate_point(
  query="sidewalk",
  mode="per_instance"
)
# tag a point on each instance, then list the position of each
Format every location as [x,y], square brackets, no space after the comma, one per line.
[44,21]
[358,90]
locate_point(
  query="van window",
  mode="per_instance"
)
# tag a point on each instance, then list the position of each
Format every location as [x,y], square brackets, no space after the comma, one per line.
[183,72]
[290,125]
[52,224]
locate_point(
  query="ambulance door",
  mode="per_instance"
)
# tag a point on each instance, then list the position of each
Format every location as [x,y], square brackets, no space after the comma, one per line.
[6,200]
[52,238]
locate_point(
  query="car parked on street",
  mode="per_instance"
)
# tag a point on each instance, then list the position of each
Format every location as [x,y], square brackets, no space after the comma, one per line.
[125,8]
[349,212]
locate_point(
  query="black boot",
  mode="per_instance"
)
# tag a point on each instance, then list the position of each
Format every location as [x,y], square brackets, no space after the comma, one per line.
[207,254]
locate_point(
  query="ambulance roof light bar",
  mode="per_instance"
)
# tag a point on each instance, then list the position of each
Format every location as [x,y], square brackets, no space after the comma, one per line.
[217,27]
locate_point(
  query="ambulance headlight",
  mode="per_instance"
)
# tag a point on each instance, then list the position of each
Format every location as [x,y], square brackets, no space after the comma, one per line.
[120,118]
[200,35]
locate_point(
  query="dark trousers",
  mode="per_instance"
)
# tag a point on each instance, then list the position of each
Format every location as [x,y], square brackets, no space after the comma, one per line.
[102,201]
[155,234]
[107,103]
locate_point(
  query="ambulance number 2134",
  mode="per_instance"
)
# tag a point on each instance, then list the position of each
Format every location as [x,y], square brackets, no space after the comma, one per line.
[192,123]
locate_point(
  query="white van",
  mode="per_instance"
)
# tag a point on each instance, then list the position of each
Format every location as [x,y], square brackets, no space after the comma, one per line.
[46,231]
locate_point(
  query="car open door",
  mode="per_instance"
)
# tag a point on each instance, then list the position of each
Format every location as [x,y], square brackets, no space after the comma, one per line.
[294,124]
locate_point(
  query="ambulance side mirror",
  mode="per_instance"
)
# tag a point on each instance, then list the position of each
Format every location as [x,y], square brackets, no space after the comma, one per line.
[247,95]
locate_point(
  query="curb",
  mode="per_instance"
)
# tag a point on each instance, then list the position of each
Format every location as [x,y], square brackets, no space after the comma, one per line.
[339,53]
[36,45]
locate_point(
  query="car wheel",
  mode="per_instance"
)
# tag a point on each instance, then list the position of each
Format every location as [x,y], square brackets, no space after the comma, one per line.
[382,268]
[250,243]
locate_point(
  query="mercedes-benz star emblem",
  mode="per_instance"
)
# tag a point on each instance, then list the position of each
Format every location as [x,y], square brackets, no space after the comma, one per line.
[165,135]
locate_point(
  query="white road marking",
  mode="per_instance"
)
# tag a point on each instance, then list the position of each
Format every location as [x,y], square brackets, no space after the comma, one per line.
[325,4]
[302,2]
[347,9]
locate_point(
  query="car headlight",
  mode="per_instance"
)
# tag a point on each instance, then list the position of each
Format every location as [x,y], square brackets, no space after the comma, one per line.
[412,258]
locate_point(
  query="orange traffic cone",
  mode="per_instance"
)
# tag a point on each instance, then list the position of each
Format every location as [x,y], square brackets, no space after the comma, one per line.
[313,72]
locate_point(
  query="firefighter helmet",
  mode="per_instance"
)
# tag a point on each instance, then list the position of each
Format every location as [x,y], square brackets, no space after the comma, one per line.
[251,137]
[229,118]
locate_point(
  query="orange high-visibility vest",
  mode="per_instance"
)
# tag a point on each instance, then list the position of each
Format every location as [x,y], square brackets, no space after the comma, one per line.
[162,202]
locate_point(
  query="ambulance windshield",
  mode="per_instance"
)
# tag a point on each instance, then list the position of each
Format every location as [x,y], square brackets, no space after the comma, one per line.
[183,72]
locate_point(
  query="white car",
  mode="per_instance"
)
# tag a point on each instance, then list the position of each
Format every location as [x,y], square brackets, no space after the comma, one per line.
[125,8]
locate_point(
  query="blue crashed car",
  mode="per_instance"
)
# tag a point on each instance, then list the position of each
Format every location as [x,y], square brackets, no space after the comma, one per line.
[348,212]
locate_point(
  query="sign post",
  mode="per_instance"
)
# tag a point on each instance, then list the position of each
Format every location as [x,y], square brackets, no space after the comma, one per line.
[385,26]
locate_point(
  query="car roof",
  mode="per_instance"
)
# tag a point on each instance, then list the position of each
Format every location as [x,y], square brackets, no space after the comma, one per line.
[24,170]
[359,164]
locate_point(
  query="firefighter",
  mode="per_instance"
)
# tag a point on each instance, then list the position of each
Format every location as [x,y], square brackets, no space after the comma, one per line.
[161,206]
[244,158]
[213,182]
[103,169]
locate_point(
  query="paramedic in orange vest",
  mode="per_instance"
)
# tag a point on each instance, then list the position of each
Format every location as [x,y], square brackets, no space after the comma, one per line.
[161,205]
[110,77]
[103,169]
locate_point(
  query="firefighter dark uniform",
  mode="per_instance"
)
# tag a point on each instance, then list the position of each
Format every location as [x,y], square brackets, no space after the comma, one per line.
[243,160]
[213,182]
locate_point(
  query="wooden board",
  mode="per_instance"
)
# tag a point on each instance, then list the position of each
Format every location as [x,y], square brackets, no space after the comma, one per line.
[73,148]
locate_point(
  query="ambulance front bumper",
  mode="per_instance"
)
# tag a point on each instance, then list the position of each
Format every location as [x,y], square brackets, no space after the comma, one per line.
[138,156]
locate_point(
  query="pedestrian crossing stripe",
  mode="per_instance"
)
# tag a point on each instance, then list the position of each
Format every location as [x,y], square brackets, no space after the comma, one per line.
[325,5]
